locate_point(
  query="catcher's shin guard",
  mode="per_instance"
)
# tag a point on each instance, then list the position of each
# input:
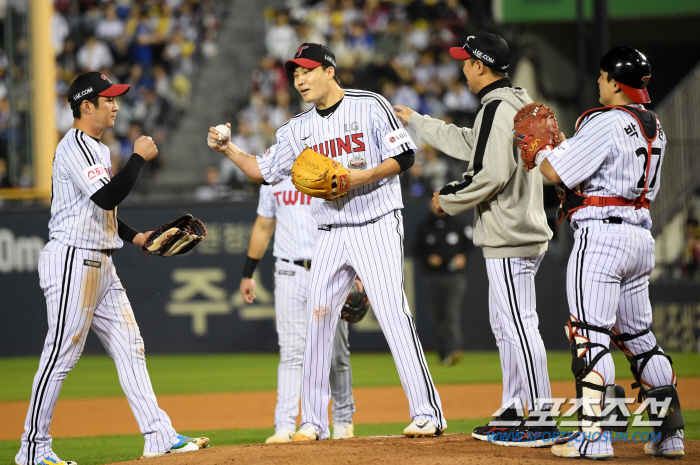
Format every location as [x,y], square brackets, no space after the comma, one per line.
[598,410]
[671,416]
[665,408]
[615,412]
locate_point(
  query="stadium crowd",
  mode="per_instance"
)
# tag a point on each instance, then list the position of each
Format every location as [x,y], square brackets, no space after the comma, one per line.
[156,46]
[398,49]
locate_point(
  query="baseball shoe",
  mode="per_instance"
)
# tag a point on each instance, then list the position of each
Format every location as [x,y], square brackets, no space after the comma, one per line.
[422,428]
[530,436]
[343,431]
[570,450]
[184,444]
[306,433]
[283,435]
[670,446]
[52,461]
[486,432]
[452,358]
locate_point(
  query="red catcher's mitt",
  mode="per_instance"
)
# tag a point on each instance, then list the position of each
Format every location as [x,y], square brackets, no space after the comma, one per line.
[536,128]
[175,237]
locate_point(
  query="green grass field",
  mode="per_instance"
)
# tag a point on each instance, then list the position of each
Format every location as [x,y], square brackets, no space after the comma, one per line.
[95,376]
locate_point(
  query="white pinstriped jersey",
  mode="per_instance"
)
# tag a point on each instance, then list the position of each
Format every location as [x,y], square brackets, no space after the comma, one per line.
[363,124]
[608,156]
[81,166]
[296,228]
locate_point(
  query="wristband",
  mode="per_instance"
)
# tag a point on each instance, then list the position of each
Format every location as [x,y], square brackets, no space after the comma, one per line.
[542,154]
[249,267]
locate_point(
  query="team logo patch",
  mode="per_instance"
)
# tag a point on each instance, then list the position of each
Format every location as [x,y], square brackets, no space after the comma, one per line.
[533,145]
[92,263]
[301,49]
[396,138]
[286,273]
[269,151]
[96,172]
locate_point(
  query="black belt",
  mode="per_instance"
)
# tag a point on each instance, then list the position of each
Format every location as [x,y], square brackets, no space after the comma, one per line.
[610,220]
[305,263]
[107,252]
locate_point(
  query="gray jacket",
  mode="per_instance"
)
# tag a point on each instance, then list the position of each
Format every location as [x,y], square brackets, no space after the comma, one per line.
[510,220]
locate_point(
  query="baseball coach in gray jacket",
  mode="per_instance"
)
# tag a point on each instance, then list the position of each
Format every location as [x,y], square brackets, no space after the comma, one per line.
[510,226]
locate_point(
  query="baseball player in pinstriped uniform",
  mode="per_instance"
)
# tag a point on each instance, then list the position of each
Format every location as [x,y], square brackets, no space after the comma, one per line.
[360,234]
[283,208]
[79,281]
[510,226]
[614,160]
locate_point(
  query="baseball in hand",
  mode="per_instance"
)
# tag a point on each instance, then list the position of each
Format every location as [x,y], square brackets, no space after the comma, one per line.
[224,131]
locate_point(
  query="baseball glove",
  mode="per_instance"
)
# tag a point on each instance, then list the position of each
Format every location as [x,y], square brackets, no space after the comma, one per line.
[356,305]
[175,237]
[319,176]
[536,128]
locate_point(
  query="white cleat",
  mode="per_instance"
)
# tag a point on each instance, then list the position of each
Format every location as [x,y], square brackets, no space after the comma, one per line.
[281,436]
[306,433]
[343,431]
[569,450]
[650,448]
[422,428]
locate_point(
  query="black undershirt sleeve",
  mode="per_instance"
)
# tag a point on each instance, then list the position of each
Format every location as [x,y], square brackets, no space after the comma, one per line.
[126,232]
[114,192]
[405,160]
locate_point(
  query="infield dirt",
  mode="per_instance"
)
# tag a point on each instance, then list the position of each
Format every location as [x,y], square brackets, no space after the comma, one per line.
[445,450]
[202,412]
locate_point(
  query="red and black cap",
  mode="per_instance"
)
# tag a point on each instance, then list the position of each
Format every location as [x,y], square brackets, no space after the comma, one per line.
[631,70]
[89,85]
[490,49]
[311,56]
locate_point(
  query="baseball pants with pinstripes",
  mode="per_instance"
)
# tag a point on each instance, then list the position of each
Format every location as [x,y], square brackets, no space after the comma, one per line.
[83,291]
[374,252]
[291,295]
[515,324]
[607,284]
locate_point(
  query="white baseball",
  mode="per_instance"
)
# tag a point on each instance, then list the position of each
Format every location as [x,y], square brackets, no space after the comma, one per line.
[224,131]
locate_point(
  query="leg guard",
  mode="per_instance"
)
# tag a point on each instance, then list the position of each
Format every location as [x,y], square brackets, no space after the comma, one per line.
[590,385]
[668,413]
[615,412]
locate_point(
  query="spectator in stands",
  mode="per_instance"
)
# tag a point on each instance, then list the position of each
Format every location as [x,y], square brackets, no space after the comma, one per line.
[213,190]
[281,39]
[94,54]
[690,258]
[110,27]
[4,177]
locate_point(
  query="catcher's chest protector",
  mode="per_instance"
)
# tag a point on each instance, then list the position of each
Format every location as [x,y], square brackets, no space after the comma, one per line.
[573,200]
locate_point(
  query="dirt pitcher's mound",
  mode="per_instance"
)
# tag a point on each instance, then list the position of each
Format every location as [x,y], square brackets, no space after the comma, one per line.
[444,450]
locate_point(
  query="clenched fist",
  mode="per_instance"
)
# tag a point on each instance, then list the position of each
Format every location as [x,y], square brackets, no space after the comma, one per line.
[145,147]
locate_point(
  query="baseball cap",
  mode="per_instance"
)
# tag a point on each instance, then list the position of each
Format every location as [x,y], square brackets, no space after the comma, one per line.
[489,48]
[89,85]
[311,56]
